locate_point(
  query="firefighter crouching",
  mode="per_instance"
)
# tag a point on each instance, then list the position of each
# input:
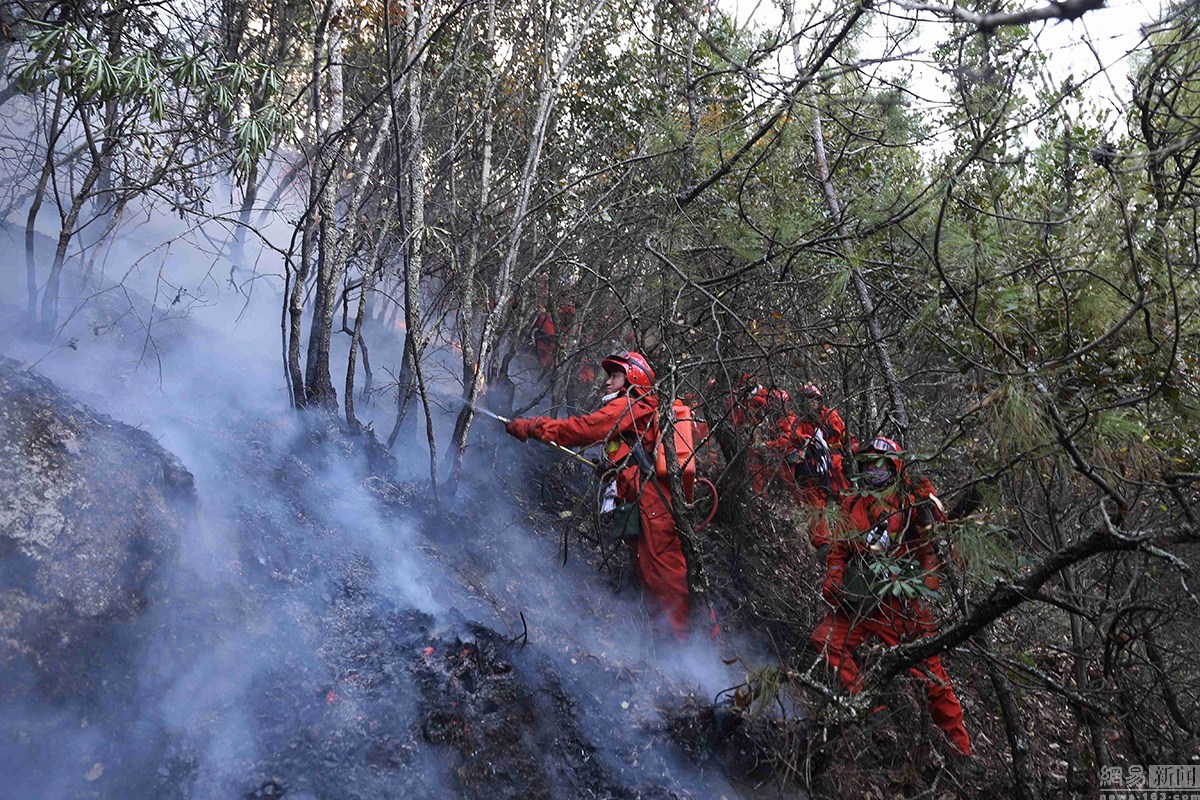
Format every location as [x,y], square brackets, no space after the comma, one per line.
[628,422]
[876,574]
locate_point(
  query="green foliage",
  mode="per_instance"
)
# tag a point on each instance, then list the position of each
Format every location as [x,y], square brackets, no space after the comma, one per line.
[159,84]
[1019,421]
[898,577]
[1120,428]
[982,546]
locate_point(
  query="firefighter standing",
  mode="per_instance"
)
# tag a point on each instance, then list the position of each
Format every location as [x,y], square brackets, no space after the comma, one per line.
[815,414]
[815,439]
[762,415]
[628,422]
[888,524]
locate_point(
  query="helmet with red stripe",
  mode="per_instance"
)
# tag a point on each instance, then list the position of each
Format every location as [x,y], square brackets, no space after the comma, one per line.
[880,462]
[889,449]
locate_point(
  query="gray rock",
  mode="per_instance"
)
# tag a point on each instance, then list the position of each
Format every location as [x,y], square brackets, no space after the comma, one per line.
[89,508]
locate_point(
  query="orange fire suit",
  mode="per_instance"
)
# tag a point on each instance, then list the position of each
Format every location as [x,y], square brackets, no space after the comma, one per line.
[546,334]
[893,620]
[659,556]
[788,448]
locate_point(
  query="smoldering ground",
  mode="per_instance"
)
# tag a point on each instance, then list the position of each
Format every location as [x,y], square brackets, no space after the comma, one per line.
[318,631]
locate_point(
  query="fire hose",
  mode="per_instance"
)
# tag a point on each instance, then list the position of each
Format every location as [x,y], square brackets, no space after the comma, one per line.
[566,451]
[712,512]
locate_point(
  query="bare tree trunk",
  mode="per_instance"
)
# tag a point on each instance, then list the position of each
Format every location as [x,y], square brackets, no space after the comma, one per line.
[412,148]
[50,297]
[368,281]
[365,176]
[318,381]
[296,317]
[403,391]
[296,296]
[1164,678]
[1079,668]
[416,230]
[466,316]
[39,194]
[114,219]
[237,247]
[551,79]
[1025,782]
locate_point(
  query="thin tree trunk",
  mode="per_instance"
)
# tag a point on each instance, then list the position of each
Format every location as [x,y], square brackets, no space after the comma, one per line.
[114,219]
[1170,696]
[318,380]
[237,247]
[899,413]
[403,392]
[365,176]
[52,135]
[1025,782]
[551,83]
[1079,668]
[368,280]
[65,234]
[472,364]
[296,297]
[466,317]
[415,24]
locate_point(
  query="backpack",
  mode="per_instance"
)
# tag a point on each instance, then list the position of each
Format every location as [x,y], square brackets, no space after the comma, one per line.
[814,464]
[685,440]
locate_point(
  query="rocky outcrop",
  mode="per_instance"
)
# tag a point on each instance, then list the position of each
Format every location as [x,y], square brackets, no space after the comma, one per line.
[89,507]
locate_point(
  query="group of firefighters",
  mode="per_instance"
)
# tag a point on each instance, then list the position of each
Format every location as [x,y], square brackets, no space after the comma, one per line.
[880,561]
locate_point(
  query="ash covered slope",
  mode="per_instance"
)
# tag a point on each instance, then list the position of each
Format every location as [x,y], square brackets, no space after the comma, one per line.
[89,508]
[312,629]
[284,640]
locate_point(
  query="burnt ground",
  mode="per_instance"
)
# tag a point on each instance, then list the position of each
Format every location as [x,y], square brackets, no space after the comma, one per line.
[321,631]
[318,630]
[324,633]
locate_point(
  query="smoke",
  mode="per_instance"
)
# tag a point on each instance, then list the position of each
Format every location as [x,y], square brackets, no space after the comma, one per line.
[273,647]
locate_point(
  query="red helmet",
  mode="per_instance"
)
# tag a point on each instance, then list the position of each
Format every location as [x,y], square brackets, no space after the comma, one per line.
[880,444]
[885,447]
[756,396]
[811,390]
[780,396]
[638,372]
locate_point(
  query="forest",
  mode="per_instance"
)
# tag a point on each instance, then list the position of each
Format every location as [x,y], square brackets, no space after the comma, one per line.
[379,224]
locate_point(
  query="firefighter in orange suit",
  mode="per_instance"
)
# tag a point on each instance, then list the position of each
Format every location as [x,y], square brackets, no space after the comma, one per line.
[810,440]
[762,415]
[888,522]
[628,422]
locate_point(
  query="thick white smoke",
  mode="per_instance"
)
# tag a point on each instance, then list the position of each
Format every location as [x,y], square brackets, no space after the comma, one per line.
[248,602]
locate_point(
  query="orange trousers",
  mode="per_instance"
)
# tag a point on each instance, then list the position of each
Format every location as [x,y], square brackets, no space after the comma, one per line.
[660,563]
[838,636]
